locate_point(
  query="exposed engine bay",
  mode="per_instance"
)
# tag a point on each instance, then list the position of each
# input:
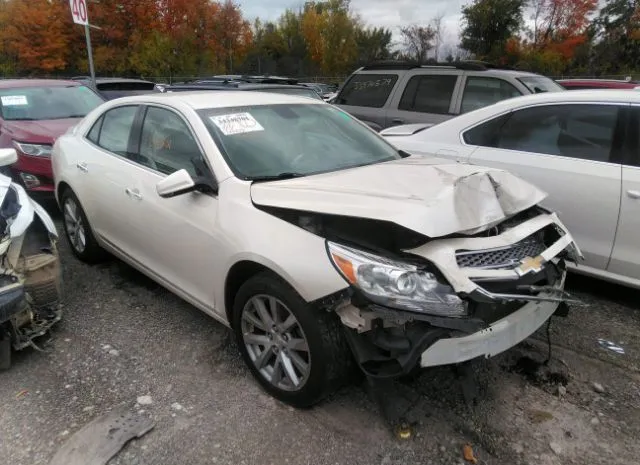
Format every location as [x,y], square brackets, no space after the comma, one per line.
[510,275]
[30,277]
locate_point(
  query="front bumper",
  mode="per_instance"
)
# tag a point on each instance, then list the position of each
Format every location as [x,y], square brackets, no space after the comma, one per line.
[498,337]
[507,302]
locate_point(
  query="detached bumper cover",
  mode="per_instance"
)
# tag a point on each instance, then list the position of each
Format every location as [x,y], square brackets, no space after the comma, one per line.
[497,338]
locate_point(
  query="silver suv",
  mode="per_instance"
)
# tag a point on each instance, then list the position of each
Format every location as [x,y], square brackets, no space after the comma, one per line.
[393,93]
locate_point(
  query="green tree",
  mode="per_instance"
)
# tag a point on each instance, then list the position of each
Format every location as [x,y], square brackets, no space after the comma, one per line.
[488,24]
[373,44]
[617,37]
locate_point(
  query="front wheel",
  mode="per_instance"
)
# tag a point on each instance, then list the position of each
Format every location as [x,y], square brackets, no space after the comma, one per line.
[297,353]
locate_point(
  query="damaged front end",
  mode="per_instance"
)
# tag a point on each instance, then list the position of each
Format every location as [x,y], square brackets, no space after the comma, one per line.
[30,278]
[456,298]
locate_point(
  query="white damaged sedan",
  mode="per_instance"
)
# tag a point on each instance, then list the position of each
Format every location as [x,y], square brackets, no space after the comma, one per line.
[322,246]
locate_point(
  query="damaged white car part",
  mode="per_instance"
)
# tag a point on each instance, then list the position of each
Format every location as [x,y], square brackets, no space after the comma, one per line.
[317,241]
[29,268]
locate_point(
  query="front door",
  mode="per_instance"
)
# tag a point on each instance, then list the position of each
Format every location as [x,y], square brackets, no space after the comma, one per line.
[569,152]
[176,238]
[625,259]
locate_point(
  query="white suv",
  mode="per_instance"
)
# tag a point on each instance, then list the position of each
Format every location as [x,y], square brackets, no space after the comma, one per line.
[314,239]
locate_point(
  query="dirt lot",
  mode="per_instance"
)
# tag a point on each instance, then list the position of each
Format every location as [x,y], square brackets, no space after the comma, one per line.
[125,337]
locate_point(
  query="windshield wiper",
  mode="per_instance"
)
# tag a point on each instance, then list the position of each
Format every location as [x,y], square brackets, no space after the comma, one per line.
[277,177]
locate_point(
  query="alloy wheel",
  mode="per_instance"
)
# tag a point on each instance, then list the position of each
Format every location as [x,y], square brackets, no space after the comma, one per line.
[74,225]
[275,342]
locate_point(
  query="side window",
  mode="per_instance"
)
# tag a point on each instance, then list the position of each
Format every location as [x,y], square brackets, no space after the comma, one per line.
[116,127]
[576,131]
[167,144]
[480,92]
[486,134]
[429,94]
[95,131]
[367,90]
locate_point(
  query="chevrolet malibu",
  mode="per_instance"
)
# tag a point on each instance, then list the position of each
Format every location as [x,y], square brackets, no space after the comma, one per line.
[323,247]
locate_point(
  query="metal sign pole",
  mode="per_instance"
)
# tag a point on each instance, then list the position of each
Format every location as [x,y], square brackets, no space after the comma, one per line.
[87,35]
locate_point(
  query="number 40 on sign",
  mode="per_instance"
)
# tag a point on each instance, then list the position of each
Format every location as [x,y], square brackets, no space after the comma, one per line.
[79,11]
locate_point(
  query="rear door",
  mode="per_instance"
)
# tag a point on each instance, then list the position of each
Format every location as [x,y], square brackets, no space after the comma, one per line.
[424,98]
[108,172]
[366,94]
[571,151]
[625,259]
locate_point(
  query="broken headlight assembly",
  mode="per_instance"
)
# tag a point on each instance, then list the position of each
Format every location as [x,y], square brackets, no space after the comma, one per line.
[395,284]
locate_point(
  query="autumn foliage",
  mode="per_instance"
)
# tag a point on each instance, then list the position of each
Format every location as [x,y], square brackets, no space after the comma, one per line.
[134,36]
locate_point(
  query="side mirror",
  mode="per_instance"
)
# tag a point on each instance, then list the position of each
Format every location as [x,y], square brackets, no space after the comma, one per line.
[177,183]
[8,157]
[181,182]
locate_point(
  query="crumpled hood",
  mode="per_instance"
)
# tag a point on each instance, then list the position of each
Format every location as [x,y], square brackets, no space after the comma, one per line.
[428,195]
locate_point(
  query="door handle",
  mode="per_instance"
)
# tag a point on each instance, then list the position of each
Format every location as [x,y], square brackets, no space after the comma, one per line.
[82,166]
[133,193]
[397,121]
[634,194]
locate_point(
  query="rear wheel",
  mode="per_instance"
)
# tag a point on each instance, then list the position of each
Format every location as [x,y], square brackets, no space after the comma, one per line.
[296,352]
[78,231]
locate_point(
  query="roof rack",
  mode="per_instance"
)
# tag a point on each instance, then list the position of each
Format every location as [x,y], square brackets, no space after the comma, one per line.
[469,65]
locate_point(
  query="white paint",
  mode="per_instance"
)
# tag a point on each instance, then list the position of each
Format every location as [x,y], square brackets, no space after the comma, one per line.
[79,12]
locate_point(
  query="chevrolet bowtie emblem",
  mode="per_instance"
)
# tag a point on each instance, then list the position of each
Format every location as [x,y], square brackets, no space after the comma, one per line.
[530,264]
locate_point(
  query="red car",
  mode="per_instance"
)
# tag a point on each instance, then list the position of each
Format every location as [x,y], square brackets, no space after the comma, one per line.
[33,114]
[576,84]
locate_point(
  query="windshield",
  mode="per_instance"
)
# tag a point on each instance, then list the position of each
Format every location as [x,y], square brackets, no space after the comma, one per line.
[46,103]
[540,84]
[301,92]
[263,141]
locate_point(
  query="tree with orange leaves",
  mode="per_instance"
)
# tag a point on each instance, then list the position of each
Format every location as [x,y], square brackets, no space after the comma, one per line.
[36,34]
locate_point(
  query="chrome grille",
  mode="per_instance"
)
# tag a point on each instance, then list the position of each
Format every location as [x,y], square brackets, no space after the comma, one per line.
[503,257]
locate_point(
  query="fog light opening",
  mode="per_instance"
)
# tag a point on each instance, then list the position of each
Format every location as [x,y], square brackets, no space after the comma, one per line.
[30,181]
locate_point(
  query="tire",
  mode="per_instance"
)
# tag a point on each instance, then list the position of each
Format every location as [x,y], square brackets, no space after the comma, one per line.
[329,357]
[79,235]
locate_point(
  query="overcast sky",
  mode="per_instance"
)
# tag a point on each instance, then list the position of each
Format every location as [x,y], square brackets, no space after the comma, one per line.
[388,13]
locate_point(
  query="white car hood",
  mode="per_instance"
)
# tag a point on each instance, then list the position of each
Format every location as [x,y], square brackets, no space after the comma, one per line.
[428,195]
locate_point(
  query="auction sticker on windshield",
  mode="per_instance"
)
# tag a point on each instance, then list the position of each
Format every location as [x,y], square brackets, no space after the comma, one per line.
[236,123]
[14,100]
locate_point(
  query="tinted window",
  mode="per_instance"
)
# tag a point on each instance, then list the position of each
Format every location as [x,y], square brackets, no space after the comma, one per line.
[428,94]
[95,131]
[116,126]
[367,90]
[47,103]
[577,131]
[309,138]
[480,92]
[167,144]
[486,134]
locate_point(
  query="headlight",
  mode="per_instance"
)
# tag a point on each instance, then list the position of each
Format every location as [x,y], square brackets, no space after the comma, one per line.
[396,284]
[35,150]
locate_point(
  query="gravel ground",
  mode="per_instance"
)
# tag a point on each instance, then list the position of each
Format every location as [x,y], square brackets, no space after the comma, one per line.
[124,337]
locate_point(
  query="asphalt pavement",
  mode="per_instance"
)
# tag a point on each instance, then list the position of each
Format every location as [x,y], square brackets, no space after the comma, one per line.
[125,339]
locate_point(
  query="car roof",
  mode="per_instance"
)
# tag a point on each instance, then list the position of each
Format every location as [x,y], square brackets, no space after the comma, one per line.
[201,99]
[16,83]
[587,95]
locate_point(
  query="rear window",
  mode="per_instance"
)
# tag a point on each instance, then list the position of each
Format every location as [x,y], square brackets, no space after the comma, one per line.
[429,94]
[540,84]
[125,85]
[367,90]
